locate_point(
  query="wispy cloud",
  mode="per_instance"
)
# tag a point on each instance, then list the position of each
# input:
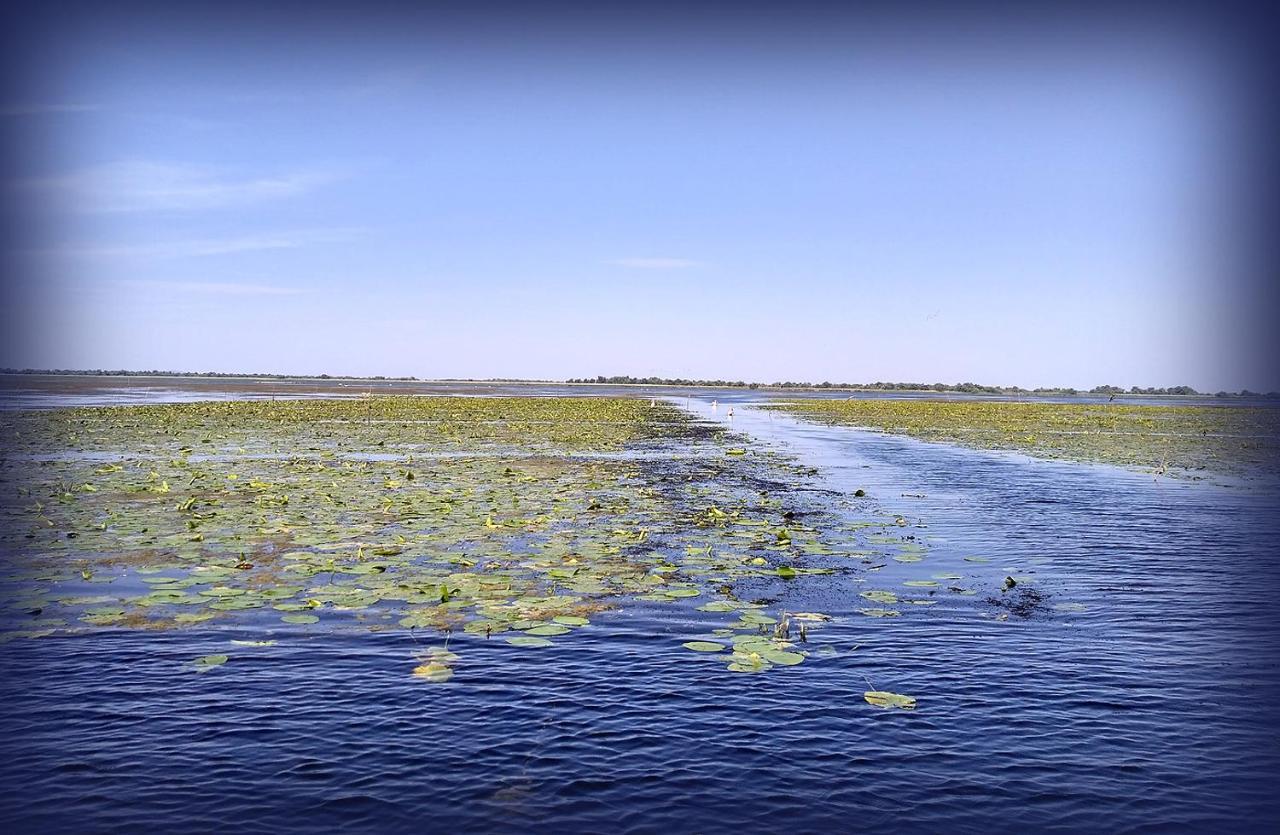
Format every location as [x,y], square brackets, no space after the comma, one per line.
[654,263]
[45,109]
[217,288]
[206,247]
[142,186]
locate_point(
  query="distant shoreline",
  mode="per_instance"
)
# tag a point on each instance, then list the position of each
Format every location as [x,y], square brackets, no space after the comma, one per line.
[969,389]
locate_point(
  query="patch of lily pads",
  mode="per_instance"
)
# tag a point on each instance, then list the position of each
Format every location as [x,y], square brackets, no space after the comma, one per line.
[1173,439]
[517,519]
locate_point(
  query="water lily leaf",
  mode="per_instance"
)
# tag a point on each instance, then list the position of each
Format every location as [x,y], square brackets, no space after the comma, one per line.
[703,646]
[783,657]
[206,663]
[299,618]
[547,629]
[883,698]
[748,662]
[528,641]
[433,671]
[879,596]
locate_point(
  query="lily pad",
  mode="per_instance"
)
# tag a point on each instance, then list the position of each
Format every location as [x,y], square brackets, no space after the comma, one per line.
[547,629]
[433,671]
[528,641]
[783,657]
[205,663]
[883,698]
[703,646]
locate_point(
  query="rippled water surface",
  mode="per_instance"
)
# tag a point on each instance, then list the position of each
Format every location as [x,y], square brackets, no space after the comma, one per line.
[1141,692]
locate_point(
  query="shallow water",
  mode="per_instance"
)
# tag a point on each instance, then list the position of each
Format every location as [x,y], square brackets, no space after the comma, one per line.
[1142,694]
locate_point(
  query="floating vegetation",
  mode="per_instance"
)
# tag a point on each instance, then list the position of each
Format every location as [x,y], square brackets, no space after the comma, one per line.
[436,665]
[1160,439]
[206,663]
[516,519]
[883,698]
[703,646]
[1021,601]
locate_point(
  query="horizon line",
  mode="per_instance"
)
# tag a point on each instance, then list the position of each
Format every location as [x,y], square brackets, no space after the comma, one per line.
[966,387]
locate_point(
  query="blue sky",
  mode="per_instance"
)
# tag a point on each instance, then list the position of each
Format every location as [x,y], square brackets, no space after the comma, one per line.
[471,198]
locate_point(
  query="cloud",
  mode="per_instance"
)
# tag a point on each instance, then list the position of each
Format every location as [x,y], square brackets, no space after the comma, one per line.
[654,263]
[142,186]
[207,247]
[211,287]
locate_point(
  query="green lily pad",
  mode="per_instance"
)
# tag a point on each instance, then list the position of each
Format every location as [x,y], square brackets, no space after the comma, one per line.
[205,663]
[528,641]
[547,629]
[433,671]
[883,698]
[879,596]
[783,657]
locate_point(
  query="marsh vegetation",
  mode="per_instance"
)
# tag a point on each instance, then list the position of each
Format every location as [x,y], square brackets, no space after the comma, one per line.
[1186,439]
[512,519]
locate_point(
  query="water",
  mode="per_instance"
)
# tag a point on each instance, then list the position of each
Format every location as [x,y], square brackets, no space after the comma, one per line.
[1141,695]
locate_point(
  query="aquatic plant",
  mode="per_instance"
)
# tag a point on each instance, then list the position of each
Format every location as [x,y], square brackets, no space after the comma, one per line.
[1160,439]
[514,517]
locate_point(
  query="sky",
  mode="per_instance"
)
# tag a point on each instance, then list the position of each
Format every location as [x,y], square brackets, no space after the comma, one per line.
[736,193]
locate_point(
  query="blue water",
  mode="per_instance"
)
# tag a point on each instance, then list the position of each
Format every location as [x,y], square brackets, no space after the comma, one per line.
[1143,695]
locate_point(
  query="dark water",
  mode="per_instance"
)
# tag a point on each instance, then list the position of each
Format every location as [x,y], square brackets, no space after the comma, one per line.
[1141,694]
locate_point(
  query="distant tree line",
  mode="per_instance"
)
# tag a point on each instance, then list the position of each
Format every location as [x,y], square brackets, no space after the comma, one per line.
[962,388]
[664,381]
